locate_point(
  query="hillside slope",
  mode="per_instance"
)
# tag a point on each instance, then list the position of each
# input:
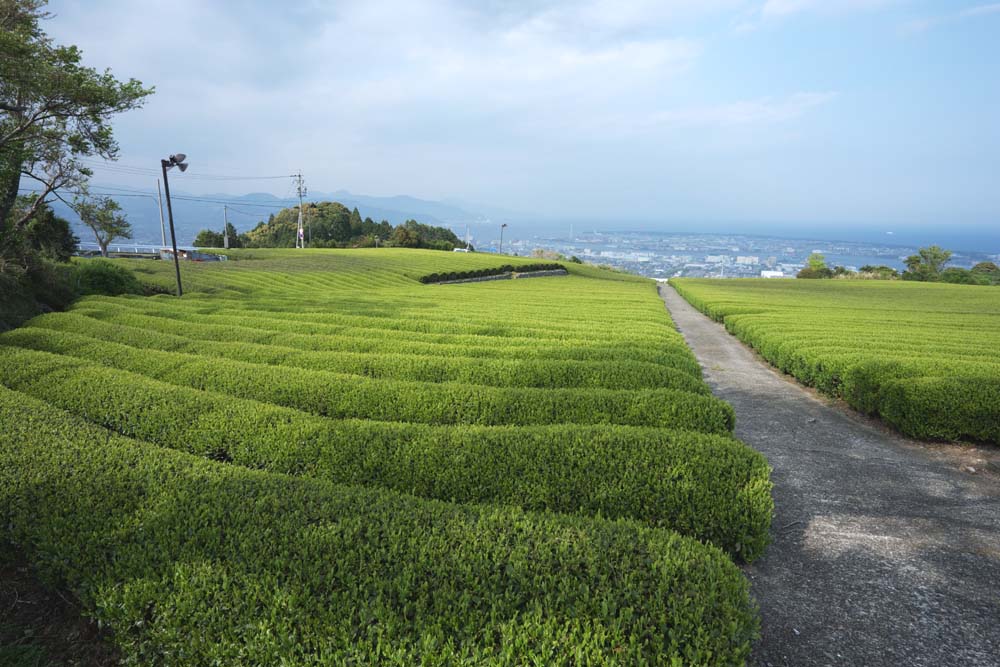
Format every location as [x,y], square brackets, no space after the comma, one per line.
[311,457]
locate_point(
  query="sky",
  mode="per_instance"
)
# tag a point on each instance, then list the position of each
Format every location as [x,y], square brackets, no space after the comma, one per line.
[863,113]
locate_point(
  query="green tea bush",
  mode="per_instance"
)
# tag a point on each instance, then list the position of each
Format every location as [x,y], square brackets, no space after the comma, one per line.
[707,486]
[191,562]
[923,357]
[481,273]
[539,373]
[345,396]
[100,276]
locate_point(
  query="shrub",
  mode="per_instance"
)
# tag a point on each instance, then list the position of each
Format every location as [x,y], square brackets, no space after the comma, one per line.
[101,276]
[943,408]
[707,486]
[192,563]
[922,357]
[815,273]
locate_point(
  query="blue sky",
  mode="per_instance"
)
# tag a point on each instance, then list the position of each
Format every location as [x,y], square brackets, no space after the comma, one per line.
[799,112]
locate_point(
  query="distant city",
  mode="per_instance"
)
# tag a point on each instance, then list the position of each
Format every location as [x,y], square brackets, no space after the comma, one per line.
[670,255]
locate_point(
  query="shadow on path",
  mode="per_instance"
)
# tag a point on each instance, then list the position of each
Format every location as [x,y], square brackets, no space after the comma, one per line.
[881,553]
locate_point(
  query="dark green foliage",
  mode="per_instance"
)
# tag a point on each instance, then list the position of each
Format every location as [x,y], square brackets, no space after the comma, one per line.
[104,217]
[44,286]
[879,272]
[50,236]
[958,276]
[193,563]
[481,273]
[100,276]
[208,238]
[412,234]
[814,273]
[927,264]
[53,111]
[332,225]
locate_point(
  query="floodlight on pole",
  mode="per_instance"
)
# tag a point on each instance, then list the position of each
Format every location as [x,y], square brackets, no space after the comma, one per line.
[502,227]
[171,162]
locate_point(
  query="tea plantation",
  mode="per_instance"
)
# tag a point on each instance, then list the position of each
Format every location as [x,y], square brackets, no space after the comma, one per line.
[315,458]
[925,357]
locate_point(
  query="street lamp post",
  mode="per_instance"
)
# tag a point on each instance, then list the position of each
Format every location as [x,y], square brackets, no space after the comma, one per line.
[502,227]
[170,163]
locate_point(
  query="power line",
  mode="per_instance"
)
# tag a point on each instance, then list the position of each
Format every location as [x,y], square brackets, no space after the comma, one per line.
[136,170]
[136,193]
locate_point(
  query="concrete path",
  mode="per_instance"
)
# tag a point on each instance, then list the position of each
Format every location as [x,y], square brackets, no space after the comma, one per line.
[884,551]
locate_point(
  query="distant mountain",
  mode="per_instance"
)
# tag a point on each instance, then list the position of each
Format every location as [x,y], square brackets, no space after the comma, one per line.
[193,213]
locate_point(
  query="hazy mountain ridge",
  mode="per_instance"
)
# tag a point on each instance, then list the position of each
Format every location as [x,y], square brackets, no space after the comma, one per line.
[245,211]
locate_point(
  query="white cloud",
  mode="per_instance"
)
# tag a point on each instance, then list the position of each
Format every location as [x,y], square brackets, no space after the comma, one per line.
[924,24]
[781,8]
[746,112]
[981,10]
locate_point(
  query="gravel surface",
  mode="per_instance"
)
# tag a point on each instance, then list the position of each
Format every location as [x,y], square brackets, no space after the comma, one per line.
[884,550]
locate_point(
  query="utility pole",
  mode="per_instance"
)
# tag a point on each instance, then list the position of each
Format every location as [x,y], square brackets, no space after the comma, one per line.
[225,227]
[174,161]
[300,239]
[163,229]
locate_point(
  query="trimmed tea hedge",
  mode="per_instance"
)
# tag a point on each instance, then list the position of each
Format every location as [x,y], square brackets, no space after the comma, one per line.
[344,396]
[531,372]
[483,273]
[190,562]
[710,487]
[924,357]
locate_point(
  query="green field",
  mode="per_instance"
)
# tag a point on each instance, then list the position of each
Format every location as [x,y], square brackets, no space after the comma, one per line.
[924,357]
[313,458]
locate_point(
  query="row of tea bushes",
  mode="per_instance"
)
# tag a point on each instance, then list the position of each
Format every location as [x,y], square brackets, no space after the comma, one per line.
[191,562]
[530,372]
[495,271]
[345,396]
[923,357]
[707,486]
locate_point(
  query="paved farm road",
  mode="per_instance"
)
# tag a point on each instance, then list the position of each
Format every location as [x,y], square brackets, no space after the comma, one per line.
[884,551]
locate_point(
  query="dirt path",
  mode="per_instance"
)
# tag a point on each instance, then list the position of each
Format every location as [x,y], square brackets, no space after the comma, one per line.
[884,551]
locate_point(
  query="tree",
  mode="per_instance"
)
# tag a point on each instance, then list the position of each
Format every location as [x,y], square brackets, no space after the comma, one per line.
[816,261]
[926,264]
[53,111]
[356,222]
[50,235]
[815,267]
[404,237]
[987,271]
[206,238]
[879,272]
[104,217]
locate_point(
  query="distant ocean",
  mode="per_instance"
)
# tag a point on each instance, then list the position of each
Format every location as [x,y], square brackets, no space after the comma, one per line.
[981,240]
